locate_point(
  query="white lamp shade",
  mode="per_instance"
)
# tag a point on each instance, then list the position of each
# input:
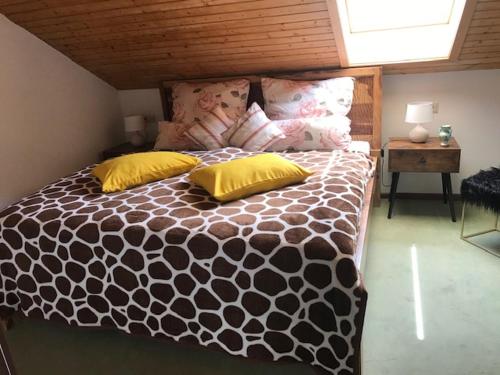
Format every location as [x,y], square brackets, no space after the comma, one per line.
[135,123]
[419,112]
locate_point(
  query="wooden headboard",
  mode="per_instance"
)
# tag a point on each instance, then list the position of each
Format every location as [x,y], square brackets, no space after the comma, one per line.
[366,112]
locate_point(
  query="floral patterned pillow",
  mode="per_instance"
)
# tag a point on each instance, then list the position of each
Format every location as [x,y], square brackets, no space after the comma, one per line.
[171,136]
[192,101]
[285,99]
[320,133]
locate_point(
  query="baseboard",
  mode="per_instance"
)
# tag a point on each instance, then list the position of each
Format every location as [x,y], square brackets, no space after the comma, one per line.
[424,196]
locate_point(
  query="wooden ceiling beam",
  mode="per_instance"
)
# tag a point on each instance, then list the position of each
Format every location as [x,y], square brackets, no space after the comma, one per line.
[463,28]
[337,32]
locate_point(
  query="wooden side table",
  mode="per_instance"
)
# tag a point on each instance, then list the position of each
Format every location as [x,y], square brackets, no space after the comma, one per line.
[125,149]
[406,156]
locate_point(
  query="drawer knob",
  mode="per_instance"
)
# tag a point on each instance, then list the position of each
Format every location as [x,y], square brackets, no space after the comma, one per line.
[422,160]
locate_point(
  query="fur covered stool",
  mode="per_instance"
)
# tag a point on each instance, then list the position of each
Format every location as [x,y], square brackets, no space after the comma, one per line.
[482,190]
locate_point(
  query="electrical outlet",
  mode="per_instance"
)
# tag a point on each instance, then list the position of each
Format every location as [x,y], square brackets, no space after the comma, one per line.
[435,107]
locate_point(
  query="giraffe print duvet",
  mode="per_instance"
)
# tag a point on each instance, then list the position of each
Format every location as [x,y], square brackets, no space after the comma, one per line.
[269,277]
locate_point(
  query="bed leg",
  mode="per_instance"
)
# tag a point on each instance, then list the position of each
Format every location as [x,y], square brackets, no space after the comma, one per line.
[357,368]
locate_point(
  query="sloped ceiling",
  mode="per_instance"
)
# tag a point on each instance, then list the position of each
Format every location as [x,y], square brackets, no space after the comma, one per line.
[138,43]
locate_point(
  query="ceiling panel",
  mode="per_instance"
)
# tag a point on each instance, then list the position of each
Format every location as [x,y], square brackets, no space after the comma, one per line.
[480,50]
[137,43]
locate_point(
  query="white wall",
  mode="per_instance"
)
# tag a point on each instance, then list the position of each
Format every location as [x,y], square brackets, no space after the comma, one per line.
[55,116]
[468,100]
[143,102]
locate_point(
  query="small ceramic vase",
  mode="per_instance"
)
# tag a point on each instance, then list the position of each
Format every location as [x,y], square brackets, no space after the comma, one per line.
[445,135]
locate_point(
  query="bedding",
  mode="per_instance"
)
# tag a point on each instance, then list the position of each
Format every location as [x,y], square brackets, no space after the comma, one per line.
[208,131]
[359,146]
[243,177]
[191,101]
[269,277]
[314,133]
[286,99]
[254,131]
[172,136]
[126,171]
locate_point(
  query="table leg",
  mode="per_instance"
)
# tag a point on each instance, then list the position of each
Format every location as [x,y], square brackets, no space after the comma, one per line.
[444,183]
[392,196]
[449,190]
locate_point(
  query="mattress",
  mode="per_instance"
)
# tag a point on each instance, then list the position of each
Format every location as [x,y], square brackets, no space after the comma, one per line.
[269,277]
[360,146]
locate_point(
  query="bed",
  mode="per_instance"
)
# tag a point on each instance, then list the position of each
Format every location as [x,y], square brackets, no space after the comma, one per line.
[275,276]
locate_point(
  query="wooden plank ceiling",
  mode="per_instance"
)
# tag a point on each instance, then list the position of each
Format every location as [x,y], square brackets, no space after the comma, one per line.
[137,43]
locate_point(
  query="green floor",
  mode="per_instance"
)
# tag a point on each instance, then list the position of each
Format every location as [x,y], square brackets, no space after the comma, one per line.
[458,327]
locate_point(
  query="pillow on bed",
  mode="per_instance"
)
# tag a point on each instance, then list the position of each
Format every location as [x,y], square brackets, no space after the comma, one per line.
[171,136]
[247,176]
[253,131]
[286,99]
[208,131]
[321,133]
[137,169]
[191,101]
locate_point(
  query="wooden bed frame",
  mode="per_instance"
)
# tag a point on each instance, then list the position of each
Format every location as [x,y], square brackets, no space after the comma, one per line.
[366,125]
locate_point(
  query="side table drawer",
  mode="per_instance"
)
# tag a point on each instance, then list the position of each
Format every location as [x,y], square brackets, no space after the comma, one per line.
[443,160]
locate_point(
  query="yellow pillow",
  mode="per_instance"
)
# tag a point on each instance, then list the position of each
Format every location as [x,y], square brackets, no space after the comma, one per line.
[243,177]
[137,169]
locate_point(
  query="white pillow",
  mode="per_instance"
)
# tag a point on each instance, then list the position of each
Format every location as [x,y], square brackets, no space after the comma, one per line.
[285,99]
[254,131]
[320,133]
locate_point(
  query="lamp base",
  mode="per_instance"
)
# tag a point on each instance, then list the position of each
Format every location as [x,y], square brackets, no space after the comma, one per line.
[137,138]
[419,134]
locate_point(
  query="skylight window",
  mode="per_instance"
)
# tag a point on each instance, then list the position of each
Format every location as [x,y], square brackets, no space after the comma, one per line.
[395,31]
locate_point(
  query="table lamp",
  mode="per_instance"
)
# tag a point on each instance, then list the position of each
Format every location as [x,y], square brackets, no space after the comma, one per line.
[135,129]
[419,113]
